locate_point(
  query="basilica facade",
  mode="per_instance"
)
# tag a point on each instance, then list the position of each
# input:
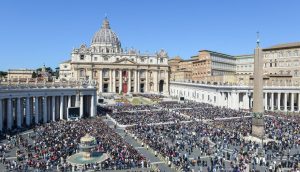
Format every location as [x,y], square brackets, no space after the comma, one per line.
[117,70]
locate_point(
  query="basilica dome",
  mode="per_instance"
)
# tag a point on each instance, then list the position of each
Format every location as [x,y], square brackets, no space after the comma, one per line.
[106,37]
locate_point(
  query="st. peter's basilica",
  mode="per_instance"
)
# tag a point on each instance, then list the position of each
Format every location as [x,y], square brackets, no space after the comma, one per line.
[117,70]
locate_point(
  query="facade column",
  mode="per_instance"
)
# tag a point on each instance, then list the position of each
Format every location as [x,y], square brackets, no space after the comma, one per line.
[272,101]
[138,82]
[19,115]
[120,81]
[93,105]
[27,112]
[155,81]
[53,109]
[167,82]
[110,81]
[36,110]
[129,81]
[147,82]
[266,101]
[45,110]
[9,114]
[81,106]
[278,101]
[114,81]
[61,109]
[135,81]
[292,102]
[100,81]
[285,101]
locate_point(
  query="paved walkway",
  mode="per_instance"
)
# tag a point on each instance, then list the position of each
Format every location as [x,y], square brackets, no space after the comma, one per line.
[147,153]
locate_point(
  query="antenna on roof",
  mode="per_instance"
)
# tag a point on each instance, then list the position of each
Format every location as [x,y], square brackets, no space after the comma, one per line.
[257,39]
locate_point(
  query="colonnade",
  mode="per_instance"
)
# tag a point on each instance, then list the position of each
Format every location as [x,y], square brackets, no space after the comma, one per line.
[286,99]
[25,107]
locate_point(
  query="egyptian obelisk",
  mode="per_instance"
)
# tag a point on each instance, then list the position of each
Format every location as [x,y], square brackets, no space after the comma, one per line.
[258,125]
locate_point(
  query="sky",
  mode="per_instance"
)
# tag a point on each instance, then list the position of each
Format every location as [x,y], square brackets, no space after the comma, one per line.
[35,32]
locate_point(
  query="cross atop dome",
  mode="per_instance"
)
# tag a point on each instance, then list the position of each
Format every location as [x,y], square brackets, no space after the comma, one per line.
[105,23]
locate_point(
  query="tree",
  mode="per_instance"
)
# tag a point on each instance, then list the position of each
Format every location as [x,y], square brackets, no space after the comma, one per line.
[34,75]
[2,74]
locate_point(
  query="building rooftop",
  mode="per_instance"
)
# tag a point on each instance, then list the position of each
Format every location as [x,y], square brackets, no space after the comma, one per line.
[21,69]
[244,56]
[284,46]
[217,53]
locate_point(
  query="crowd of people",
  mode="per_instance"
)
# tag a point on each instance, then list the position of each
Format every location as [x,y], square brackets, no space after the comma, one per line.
[131,108]
[147,117]
[184,144]
[173,130]
[48,147]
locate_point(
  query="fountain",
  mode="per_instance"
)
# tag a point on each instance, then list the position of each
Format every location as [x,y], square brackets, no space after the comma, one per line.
[87,152]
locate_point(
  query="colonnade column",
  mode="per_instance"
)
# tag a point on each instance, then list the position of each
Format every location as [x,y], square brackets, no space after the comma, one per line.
[36,110]
[229,99]
[135,81]
[100,81]
[292,102]
[278,101]
[266,101]
[69,101]
[219,99]
[53,108]
[44,109]
[285,101]
[9,113]
[246,101]
[19,117]
[120,81]
[27,111]
[272,101]
[61,112]
[129,81]
[81,106]
[93,105]
[1,115]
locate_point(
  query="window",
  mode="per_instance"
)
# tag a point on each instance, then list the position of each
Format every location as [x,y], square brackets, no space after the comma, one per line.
[95,58]
[142,60]
[161,60]
[81,57]
[65,66]
[81,74]
[151,60]
[105,58]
